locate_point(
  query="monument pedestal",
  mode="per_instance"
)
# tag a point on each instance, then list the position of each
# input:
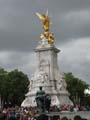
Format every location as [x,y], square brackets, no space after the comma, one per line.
[47,75]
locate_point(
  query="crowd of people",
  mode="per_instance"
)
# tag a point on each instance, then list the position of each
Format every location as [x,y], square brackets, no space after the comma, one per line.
[18,113]
[75,108]
[31,113]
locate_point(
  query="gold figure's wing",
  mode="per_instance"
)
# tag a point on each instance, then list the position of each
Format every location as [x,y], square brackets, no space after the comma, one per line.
[41,17]
[47,16]
[47,12]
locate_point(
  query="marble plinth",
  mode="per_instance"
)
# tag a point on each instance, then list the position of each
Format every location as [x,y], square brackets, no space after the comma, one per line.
[48,76]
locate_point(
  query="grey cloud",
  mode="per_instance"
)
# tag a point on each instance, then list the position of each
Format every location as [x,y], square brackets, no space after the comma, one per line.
[75,24]
[20,30]
[75,58]
[16,60]
[19,24]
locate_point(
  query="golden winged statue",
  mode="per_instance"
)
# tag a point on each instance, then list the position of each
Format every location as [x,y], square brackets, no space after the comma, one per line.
[46,24]
[45,20]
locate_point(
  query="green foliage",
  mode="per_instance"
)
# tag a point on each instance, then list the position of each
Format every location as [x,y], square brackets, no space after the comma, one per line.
[19,86]
[3,82]
[13,86]
[76,88]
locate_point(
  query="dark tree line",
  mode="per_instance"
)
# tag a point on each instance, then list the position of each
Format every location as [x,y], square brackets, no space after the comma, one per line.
[13,86]
[76,88]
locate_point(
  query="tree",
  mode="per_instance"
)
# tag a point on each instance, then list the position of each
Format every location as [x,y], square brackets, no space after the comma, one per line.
[76,88]
[18,86]
[13,86]
[3,85]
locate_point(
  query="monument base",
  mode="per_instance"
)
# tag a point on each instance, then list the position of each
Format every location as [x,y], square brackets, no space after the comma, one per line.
[47,75]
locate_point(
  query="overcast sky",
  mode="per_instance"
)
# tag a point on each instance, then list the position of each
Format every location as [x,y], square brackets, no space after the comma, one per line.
[20,30]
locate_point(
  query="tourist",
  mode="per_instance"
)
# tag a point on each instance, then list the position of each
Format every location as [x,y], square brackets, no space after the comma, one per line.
[77,117]
[42,117]
[64,118]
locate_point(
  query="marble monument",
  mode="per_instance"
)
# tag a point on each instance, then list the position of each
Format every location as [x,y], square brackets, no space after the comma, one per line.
[47,73]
